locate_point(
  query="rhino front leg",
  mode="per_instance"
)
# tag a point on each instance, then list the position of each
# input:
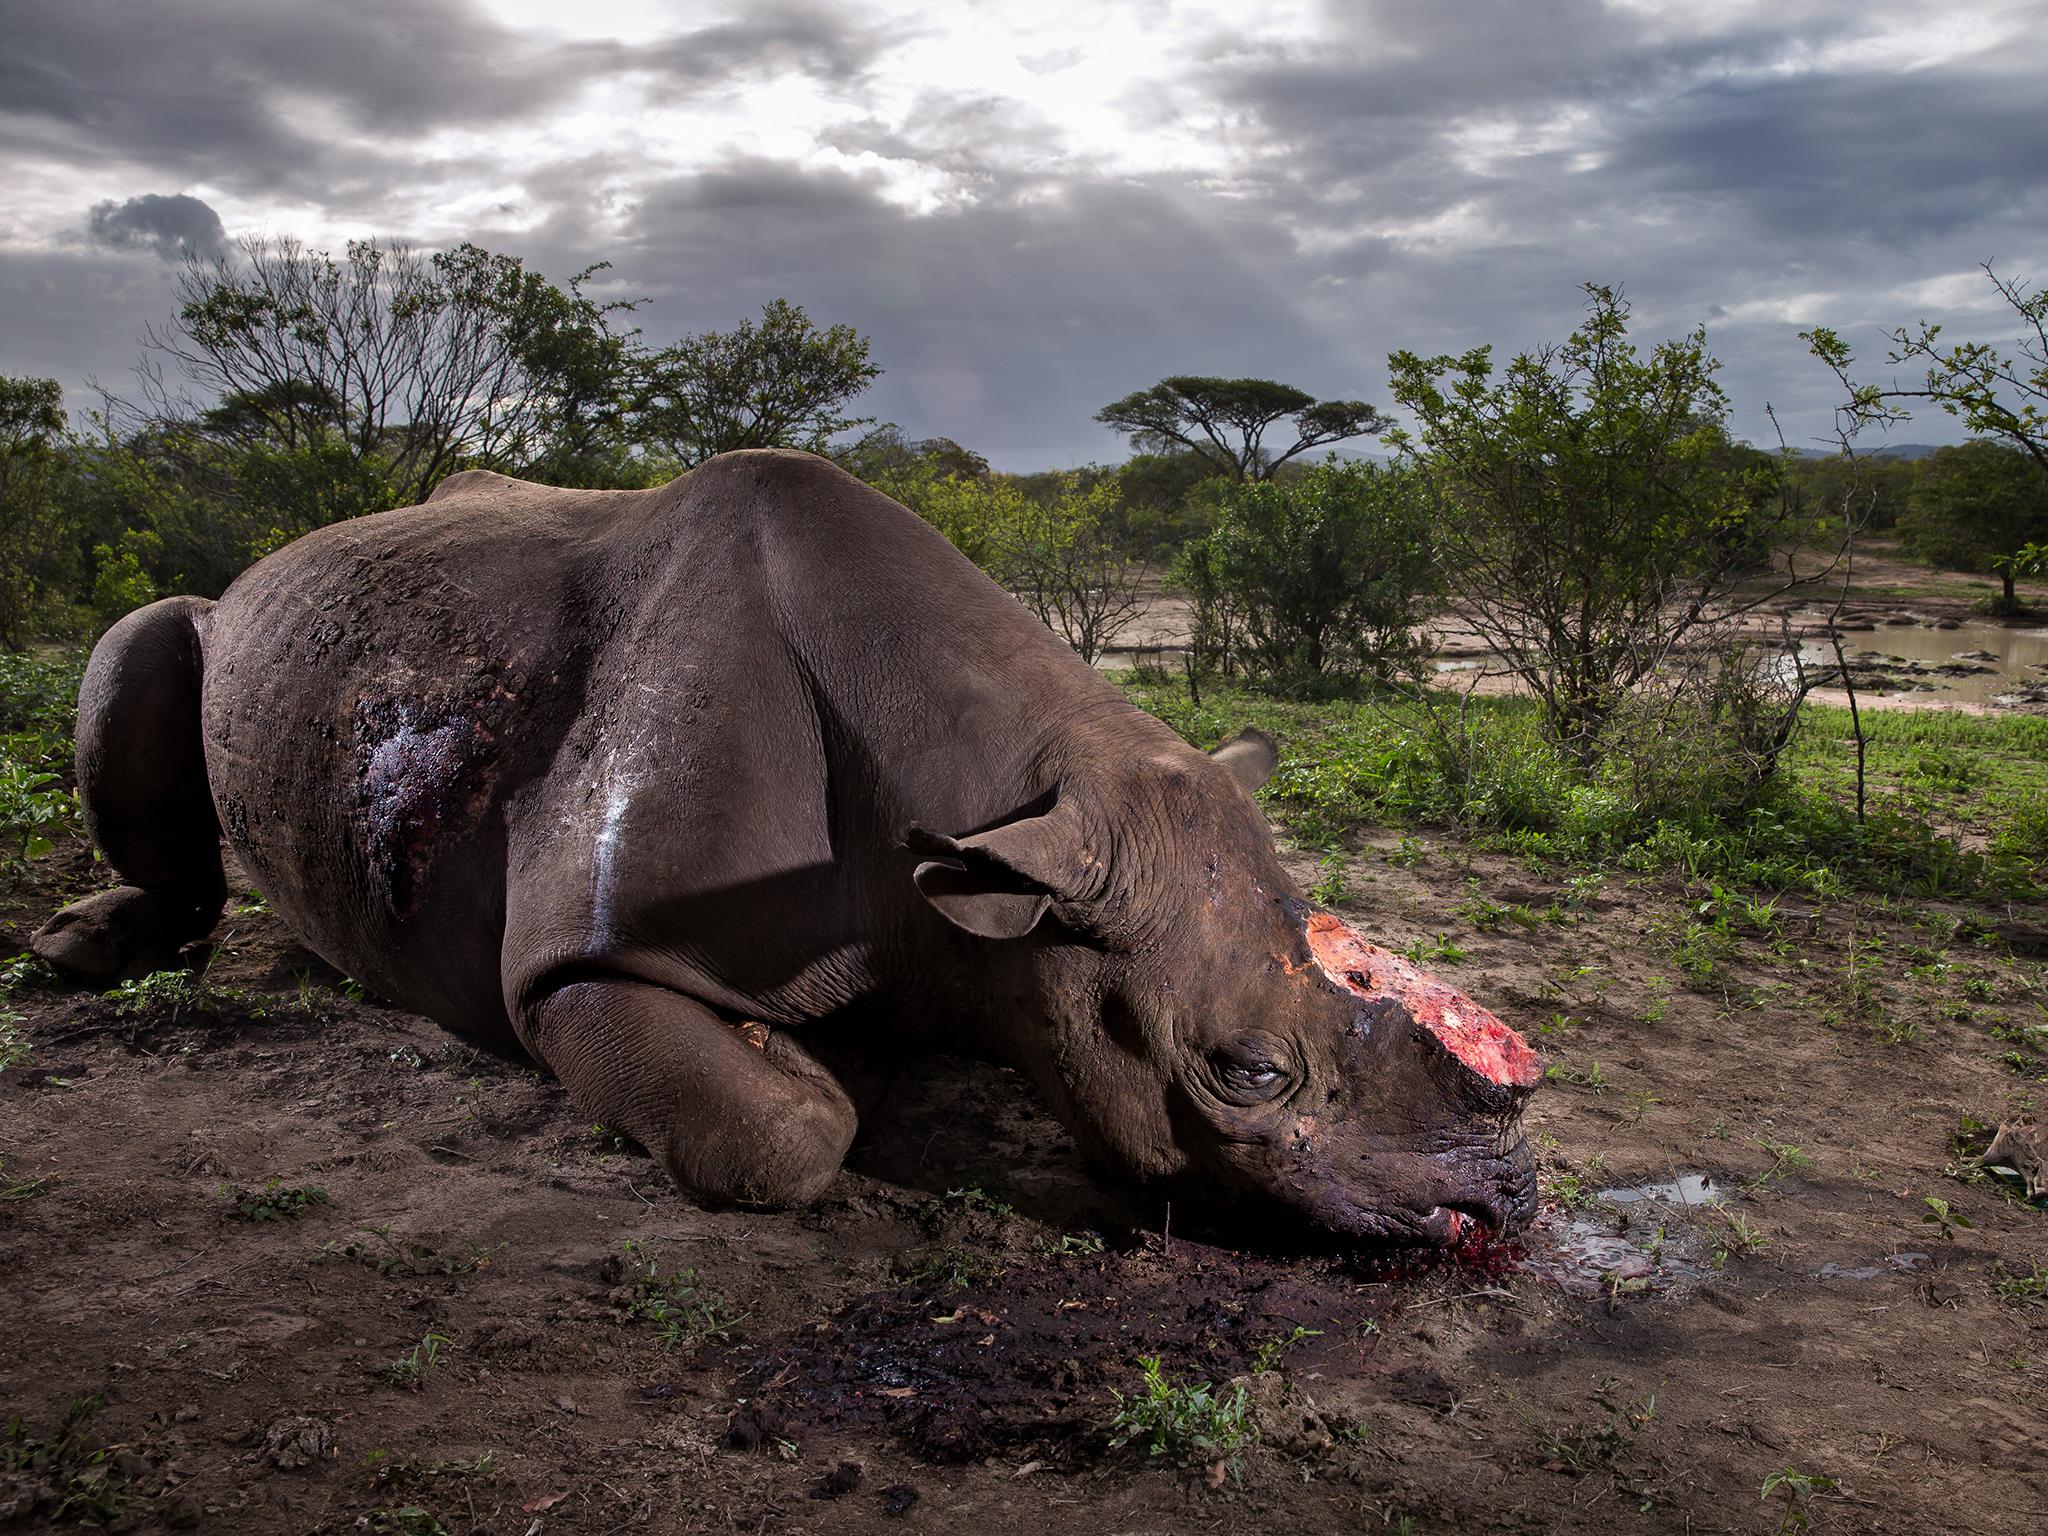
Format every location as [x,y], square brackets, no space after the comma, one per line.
[731,1119]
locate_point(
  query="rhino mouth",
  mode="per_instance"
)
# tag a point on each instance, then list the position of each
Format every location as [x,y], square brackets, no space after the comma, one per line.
[1446,1199]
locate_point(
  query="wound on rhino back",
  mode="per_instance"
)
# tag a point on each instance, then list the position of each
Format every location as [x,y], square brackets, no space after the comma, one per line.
[1465,1029]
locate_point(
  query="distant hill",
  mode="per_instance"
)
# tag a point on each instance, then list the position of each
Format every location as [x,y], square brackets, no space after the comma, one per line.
[1888,451]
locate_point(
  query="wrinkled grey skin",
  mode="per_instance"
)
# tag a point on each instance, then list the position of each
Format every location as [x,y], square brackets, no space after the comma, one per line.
[625,776]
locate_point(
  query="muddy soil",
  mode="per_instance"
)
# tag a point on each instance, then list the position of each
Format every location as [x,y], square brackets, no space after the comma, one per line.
[433,1321]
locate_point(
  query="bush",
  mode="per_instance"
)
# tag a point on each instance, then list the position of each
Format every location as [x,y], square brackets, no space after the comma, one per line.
[120,582]
[1594,519]
[1974,508]
[974,512]
[1324,577]
[1065,560]
[38,712]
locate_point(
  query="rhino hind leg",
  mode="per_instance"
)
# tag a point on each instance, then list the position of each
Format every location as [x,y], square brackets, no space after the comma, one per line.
[142,783]
[736,1115]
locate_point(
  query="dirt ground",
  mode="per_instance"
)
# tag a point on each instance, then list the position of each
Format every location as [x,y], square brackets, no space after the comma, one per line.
[938,1345]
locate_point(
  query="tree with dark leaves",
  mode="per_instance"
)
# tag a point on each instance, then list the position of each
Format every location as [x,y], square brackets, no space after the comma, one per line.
[781,384]
[34,510]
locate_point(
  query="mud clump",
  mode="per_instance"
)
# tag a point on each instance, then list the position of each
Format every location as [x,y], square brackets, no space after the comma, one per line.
[296,1440]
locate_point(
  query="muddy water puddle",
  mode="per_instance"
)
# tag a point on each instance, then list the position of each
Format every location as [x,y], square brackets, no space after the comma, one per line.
[1633,1240]
[1891,1264]
[1974,663]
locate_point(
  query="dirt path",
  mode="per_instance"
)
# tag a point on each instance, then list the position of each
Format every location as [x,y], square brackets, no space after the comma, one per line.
[906,1358]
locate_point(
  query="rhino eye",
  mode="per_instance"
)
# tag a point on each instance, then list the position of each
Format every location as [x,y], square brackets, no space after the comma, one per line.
[1247,1073]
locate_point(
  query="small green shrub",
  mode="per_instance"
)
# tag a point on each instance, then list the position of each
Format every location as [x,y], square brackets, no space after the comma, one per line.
[411,1370]
[1185,1423]
[952,1268]
[39,694]
[2022,1290]
[683,1307]
[14,1044]
[275,1201]
[35,807]
[183,995]
[380,1250]
[79,1483]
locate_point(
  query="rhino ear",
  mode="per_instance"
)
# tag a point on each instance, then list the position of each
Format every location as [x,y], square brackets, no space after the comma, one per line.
[1251,756]
[997,884]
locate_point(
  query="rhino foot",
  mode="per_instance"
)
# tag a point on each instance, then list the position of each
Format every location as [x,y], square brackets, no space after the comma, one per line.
[738,1114]
[121,934]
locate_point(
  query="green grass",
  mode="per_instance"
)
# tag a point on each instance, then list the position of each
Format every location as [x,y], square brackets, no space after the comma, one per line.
[1957,804]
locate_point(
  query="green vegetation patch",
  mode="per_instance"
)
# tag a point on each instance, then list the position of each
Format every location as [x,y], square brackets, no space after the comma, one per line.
[684,1308]
[38,698]
[1184,1422]
[67,1479]
[1351,764]
[275,1201]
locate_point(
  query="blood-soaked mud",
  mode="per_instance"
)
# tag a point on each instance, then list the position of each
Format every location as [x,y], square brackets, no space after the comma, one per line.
[453,1334]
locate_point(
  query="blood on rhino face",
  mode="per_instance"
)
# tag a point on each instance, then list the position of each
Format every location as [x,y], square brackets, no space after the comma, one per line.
[1360,1092]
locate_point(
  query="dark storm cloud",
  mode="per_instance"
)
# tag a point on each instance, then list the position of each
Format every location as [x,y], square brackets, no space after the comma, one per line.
[231,91]
[816,41]
[170,226]
[1889,157]
[1428,177]
[1004,323]
[1701,173]
[73,315]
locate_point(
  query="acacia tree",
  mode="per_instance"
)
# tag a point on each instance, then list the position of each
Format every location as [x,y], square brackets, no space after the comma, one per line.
[1225,421]
[780,384]
[1590,516]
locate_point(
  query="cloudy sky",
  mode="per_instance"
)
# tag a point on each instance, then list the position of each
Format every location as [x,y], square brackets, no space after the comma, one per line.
[1032,207]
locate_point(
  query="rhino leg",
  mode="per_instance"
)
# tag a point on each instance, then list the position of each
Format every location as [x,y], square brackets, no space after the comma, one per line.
[142,782]
[732,1118]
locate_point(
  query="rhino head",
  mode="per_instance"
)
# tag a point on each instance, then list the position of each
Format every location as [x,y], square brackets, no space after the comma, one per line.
[1193,1021]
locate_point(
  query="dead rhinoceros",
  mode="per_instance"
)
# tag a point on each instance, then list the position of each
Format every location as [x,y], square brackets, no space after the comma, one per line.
[704,794]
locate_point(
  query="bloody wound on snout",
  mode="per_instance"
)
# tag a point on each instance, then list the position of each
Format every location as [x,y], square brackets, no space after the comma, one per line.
[1469,1032]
